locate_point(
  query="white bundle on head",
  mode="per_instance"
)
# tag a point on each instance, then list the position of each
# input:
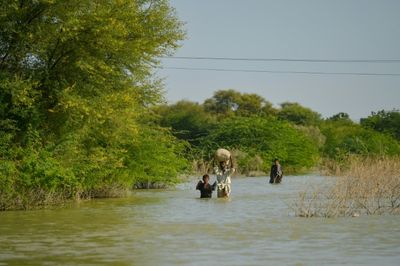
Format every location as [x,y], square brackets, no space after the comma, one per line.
[222,155]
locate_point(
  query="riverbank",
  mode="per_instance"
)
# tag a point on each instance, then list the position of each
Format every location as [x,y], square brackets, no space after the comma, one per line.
[362,186]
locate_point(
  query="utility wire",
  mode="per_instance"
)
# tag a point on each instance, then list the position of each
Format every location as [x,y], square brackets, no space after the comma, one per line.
[286,59]
[282,72]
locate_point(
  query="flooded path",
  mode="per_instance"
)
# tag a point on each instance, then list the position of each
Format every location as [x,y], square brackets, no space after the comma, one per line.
[175,227]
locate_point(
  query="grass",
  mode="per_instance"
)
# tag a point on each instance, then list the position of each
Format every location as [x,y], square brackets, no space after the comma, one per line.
[366,186]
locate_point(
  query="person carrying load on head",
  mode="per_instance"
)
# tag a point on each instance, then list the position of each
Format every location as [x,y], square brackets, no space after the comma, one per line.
[224,170]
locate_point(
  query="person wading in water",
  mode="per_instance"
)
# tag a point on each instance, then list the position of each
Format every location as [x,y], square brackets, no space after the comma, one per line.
[205,188]
[223,179]
[276,173]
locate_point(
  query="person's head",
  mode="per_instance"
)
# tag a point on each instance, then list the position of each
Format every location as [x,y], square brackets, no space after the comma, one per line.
[223,165]
[276,161]
[206,178]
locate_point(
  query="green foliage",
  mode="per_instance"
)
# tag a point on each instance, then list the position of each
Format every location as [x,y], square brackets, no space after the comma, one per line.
[298,114]
[227,103]
[344,138]
[188,120]
[30,174]
[268,138]
[384,121]
[157,158]
[75,83]
[257,133]
[343,117]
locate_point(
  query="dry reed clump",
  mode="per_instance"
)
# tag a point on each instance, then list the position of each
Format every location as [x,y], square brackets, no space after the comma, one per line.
[369,186]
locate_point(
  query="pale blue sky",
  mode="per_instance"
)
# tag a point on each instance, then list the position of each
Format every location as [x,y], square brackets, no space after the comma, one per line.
[318,29]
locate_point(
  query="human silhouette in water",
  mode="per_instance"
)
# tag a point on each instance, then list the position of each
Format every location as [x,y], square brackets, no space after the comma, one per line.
[224,173]
[276,173]
[205,188]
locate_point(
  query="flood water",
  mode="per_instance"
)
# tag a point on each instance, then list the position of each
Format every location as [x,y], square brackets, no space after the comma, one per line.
[175,227]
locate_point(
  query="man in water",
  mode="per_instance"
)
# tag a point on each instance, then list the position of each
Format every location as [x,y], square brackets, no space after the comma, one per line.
[205,188]
[276,173]
[224,179]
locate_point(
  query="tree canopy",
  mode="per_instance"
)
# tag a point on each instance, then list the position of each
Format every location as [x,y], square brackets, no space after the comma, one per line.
[230,102]
[76,84]
[267,138]
[188,121]
[384,121]
[298,114]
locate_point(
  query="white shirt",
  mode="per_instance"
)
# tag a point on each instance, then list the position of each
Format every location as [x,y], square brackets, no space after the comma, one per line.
[224,176]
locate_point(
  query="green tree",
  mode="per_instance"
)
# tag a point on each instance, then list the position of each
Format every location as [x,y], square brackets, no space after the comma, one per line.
[267,138]
[343,117]
[384,121]
[75,83]
[188,120]
[343,139]
[223,102]
[298,114]
[227,103]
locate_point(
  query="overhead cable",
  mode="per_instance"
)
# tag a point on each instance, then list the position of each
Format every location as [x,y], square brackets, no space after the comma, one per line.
[282,72]
[286,59]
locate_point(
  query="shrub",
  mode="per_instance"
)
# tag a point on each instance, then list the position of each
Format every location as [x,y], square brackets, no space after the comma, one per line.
[267,138]
[370,186]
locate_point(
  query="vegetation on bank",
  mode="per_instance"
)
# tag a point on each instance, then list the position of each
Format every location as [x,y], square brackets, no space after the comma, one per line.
[369,186]
[257,132]
[82,114]
[76,91]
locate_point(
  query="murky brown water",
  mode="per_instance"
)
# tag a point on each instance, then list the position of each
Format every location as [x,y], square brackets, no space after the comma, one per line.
[174,227]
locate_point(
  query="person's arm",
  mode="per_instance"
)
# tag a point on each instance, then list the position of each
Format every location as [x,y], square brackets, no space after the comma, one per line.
[216,170]
[214,185]
[229,174]
[279,171]
[199,185]
[271,173]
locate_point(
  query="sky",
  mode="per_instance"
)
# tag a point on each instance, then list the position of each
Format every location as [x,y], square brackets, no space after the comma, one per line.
[294,29]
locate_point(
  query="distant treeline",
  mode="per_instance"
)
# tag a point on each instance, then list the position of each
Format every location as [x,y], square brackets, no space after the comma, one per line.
[80,112]
[257,132]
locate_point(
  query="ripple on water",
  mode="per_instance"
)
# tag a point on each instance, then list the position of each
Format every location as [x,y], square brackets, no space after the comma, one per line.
[174,227]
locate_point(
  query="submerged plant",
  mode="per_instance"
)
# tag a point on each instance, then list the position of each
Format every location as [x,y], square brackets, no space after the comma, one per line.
[370,186]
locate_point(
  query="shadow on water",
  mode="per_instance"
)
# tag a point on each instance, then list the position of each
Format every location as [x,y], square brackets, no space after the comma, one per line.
[175,227]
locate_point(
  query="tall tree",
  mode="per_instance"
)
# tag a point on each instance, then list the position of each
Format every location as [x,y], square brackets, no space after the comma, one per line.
[76,82]
[227,103]
[188,120]
[384,121]
[298,114]
[57,56]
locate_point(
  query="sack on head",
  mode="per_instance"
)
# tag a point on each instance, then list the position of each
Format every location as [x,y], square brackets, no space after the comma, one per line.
[222,155]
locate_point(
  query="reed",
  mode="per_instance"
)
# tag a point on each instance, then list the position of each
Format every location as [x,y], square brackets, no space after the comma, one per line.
[367,186]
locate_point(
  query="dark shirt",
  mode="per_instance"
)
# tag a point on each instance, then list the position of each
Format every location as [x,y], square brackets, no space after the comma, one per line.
[275,174]
[205,189]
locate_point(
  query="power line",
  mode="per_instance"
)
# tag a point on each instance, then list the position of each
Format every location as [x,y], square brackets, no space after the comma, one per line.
[286,59]
[282,72]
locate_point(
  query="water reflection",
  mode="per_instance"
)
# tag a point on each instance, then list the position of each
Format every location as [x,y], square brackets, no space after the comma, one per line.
[174,227]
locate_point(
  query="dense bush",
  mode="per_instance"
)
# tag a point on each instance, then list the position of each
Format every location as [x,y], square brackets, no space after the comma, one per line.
[188,121]
[267,138]
[75,86]
[384,121]
[256,132]
[344,138]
